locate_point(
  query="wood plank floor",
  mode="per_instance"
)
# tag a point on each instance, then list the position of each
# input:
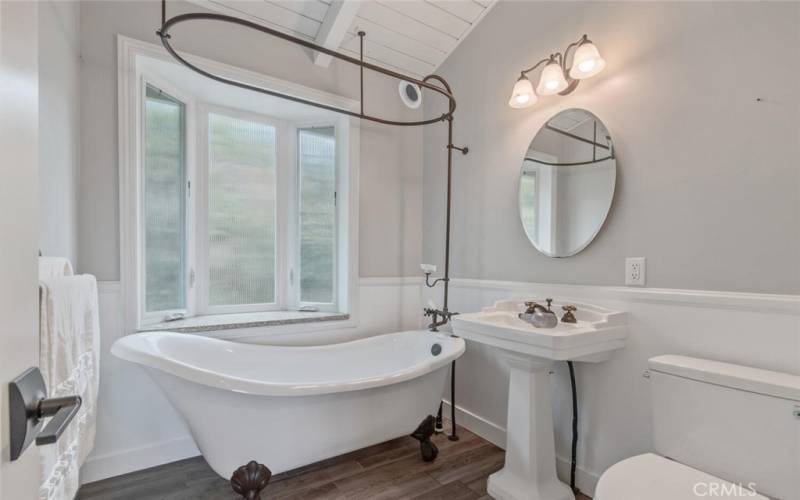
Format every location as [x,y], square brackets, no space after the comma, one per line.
[386,471]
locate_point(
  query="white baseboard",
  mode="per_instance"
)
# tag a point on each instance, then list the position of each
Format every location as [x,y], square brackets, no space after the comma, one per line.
[488,430]
[133,459]
[586,481]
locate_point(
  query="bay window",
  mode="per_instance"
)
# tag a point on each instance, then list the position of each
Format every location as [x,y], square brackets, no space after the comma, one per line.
[238,211]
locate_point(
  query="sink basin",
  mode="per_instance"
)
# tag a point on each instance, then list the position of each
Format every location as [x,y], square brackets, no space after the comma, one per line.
[529,472]
[597,333]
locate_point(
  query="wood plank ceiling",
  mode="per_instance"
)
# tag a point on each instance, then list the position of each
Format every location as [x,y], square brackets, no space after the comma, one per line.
[409,36]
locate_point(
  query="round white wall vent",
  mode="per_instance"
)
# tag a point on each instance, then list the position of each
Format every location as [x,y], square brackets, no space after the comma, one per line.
[411,94]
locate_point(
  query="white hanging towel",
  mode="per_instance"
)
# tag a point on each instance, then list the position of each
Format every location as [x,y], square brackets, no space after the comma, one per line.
[51,267]
[69,353]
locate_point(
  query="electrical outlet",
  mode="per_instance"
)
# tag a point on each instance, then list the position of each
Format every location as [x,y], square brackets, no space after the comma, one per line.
[635,271]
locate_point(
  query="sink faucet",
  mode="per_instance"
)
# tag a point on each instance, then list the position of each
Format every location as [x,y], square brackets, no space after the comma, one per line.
[538,315]
[435,314]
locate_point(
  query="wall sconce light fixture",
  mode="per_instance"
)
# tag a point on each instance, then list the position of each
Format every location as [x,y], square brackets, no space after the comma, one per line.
[556,78]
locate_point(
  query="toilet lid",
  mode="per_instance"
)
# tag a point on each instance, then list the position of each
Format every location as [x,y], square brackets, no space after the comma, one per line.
[657,478]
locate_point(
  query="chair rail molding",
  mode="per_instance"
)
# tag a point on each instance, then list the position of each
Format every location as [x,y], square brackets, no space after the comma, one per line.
[789,304]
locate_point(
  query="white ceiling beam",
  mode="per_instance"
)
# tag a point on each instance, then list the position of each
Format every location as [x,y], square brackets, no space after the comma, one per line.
[340,16]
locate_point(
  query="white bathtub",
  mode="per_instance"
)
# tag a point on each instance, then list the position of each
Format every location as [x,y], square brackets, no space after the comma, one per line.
[290,406]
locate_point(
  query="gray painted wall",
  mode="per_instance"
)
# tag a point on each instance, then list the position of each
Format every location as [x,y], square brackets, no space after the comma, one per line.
[391,158]
[709,179]
[59,145]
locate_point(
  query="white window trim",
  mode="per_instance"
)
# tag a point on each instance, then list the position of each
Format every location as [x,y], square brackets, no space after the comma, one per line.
[129,86]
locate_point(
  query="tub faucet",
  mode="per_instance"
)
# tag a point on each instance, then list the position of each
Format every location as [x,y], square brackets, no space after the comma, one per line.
[435,314]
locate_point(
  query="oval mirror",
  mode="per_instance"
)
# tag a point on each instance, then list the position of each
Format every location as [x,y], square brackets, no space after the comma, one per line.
[567,183]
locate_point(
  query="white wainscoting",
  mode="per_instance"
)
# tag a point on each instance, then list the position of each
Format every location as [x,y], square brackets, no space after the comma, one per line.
[760,330]
[136,425]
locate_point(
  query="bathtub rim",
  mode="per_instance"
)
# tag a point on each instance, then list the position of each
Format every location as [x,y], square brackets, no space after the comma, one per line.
[129,348]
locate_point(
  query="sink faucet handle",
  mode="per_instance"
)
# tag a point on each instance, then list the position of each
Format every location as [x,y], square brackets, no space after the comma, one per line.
[568,316]
[549,302]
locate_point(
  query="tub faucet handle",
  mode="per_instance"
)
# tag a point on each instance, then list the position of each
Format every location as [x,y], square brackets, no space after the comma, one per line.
[435,314]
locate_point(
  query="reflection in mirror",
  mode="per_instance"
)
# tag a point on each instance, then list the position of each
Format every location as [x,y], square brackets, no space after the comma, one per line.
[567,183]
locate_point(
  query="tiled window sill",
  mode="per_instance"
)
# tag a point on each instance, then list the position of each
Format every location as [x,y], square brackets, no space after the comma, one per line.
[217,322]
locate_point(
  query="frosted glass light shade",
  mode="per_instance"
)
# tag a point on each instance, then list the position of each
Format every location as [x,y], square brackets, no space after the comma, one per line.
[552,80]
[587,62]
[523,95]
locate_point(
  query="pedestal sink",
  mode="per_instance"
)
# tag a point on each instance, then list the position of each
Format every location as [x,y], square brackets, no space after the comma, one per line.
[530,466]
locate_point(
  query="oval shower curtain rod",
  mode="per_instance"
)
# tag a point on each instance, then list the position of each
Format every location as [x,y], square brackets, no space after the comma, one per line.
[167,24]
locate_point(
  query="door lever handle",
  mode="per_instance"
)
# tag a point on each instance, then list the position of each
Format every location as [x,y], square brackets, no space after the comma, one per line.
[63,411]
[29,405]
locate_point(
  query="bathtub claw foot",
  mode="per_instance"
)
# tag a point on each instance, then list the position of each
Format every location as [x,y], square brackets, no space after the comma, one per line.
[248,480]
[423,434]
[428,450]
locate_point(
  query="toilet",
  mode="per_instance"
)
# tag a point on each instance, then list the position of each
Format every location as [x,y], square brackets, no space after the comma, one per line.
[719,431]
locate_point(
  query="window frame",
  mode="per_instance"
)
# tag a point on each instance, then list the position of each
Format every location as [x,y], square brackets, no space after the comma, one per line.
[132,57]
[189,158]
[294,239]
[282,185]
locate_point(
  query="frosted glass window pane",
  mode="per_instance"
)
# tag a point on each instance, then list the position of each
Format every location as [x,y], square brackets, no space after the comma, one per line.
[317,173]
[164,202]
[241,215]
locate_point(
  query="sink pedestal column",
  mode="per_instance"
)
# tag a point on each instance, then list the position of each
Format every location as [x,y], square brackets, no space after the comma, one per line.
[530,468]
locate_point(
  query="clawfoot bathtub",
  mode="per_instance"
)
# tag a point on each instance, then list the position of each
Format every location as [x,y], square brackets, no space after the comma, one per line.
[286,407]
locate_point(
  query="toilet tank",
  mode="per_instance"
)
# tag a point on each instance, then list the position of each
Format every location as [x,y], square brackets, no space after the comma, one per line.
[738,423]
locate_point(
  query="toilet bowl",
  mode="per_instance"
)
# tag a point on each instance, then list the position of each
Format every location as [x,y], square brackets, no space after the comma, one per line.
[654,477]
[720,431]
